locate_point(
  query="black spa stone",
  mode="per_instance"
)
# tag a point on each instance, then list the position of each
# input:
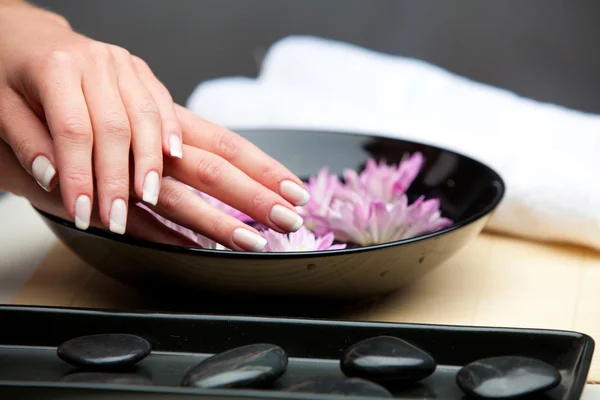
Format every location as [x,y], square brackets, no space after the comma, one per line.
[251,366]
[340,386]
[387,360]
[507,377]
[108,378]
[114,350]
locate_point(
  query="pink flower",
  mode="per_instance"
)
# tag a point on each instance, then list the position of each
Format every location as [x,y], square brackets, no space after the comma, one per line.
[201,240]
[368,222]
[425,217]
[381,181]
[207,243]
[370,207]
[321,189]
[301,240]
[188,233]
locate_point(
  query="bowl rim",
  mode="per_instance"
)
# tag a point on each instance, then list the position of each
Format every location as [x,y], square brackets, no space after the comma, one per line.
[189,250]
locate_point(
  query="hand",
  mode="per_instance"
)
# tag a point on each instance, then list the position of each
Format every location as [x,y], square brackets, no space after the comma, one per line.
[97,100]
[140,224]
[223,165]
[97,108]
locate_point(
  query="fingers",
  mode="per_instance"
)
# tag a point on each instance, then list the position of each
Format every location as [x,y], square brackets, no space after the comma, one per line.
[243,154]
[67,116]
[171,129]
[112,137]
[216,177]
[108,108]
[140,223]
[22,130]
[145,121]
[180,205]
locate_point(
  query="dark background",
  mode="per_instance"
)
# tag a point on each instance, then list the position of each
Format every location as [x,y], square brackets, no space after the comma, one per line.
[544,49]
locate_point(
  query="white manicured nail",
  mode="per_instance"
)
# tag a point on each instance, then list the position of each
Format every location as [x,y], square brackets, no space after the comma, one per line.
[83,211]
[248,240]
[175,146]
[294,193]
[43,172]
[151,184]
[285,218]
[118,217]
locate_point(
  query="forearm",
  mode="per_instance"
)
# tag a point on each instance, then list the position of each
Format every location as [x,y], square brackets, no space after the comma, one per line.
[6,4]
[22,10]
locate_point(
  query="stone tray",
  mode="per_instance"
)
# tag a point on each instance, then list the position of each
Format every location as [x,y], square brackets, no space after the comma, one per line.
[29,367]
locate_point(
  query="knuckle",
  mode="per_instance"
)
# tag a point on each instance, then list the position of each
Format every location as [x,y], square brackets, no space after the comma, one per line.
[162,91]
[171,125]
[7,109]
[217,227]
[98,50]
[80,177]
[210,170]
[60,58]
[260,202]
[269,173]
[119,51]
[117,127]
[148,159]
[148,109]
[116,184]
[171,198]
[23,148]
[60,20]
[149,156]
[139,63]
[47,64]
[76,129]
[228,145]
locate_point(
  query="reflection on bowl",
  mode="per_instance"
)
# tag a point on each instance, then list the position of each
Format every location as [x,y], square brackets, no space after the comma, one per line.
[468,190]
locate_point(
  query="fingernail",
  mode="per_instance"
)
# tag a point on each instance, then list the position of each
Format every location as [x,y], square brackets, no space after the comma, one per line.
[175,146]
[150,194]
[285,218]
[294,193]
[83,211]
[43,172]
[248,240]
[118,216]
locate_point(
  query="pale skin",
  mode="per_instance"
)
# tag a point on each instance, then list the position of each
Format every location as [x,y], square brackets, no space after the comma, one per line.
[88,130]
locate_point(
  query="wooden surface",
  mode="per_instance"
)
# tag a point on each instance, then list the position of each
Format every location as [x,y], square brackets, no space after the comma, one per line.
[495,281]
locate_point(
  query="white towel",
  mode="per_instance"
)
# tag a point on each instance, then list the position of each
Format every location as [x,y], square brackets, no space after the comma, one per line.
[545,153]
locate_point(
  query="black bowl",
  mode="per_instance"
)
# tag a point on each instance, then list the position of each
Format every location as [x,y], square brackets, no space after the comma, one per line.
[469,191]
